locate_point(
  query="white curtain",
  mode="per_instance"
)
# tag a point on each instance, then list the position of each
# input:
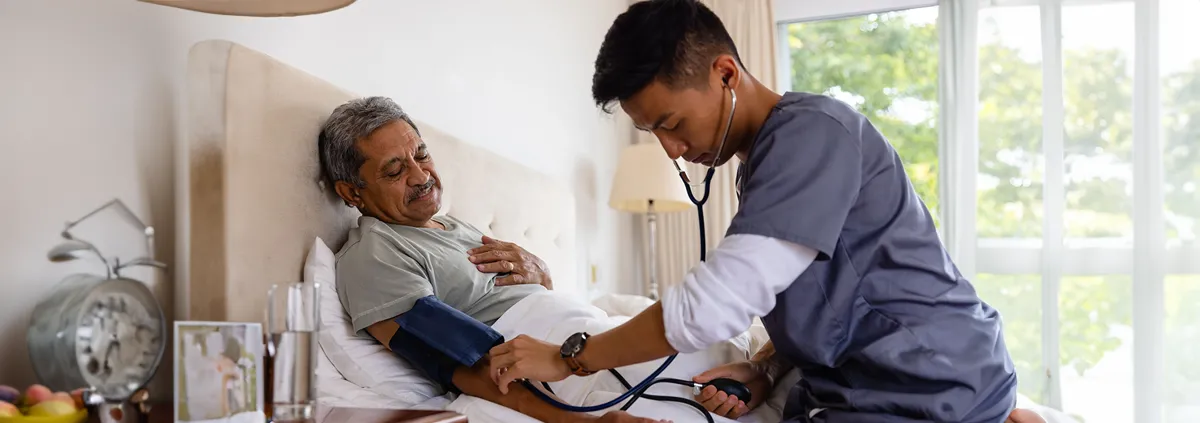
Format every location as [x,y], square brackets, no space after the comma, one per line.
[958,65]
[751,23]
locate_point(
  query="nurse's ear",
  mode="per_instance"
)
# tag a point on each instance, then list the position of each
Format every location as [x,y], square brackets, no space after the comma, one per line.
[728,70]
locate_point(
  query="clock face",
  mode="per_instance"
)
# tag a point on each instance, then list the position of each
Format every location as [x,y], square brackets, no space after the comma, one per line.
[118,343]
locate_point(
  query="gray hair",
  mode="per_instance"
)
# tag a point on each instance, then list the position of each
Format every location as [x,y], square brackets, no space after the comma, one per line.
[350,122]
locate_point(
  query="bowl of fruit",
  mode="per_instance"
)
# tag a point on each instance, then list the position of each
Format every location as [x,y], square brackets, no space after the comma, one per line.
[39,405]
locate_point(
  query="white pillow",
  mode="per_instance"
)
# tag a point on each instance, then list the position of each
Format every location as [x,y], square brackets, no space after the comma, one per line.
[361,361]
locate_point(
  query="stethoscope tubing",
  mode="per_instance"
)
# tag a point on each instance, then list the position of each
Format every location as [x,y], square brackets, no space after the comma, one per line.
[639,390]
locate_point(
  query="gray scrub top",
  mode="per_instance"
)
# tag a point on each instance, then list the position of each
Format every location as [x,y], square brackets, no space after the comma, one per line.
[883,326]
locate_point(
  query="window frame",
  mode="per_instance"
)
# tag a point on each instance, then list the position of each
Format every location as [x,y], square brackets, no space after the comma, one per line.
[1148,257]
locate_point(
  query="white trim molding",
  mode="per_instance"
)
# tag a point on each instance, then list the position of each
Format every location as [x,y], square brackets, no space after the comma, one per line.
[788,11]
[1082,258]
[1152,260]
[1053,193]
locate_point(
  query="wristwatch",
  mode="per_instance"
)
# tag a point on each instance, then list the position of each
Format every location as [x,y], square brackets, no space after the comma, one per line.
[570,350]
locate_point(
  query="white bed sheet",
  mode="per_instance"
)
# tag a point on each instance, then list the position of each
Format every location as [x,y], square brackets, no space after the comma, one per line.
[334,390]
[553,316]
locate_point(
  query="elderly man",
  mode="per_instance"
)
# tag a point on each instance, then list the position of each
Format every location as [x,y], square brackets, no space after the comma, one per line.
[400,252]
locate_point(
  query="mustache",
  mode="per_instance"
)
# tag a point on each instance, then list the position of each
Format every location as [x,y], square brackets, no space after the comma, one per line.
[421,190]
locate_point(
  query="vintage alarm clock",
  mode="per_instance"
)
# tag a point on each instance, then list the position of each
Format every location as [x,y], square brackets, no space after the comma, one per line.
[102,332]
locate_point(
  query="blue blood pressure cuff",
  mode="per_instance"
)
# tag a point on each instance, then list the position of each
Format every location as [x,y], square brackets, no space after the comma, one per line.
[437,338]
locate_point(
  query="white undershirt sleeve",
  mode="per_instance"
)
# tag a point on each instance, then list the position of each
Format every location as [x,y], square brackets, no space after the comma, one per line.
[719,297]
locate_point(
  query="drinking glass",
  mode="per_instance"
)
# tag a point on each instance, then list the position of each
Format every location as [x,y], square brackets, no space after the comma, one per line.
[292,324]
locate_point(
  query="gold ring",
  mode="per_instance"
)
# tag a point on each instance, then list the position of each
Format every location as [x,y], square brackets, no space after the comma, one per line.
[510,265]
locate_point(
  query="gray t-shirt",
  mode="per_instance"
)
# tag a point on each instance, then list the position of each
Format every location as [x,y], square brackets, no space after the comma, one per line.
[384,269]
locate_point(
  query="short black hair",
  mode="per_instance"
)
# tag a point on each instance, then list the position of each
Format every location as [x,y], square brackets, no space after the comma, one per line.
[672,40]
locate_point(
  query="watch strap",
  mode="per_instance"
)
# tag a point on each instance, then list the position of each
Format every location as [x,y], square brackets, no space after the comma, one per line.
[576,367]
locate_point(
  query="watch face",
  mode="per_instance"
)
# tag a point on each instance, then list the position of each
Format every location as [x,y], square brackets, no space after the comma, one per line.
[573,345]
[118,343]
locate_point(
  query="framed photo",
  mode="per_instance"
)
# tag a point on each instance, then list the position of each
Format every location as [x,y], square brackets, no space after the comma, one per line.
[219,372]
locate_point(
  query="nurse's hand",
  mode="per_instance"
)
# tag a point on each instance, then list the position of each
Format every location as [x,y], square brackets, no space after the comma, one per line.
[522,267]
[750,373]
[527,358]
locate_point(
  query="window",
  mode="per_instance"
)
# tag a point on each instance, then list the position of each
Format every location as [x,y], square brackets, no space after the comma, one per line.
[1057,220]
[1180,90]
[1010,124]
[1181,399]
[1086,179]
[1095,311]
[1009,183]
[886,66]
[1179,85]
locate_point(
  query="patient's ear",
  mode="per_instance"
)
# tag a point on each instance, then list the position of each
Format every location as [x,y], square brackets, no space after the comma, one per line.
[346,191]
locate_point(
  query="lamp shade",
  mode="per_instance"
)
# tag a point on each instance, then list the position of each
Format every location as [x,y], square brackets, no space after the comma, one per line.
[645,173]
[258,8]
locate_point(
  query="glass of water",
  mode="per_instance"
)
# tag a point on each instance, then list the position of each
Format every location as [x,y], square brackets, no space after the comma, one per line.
[292,323]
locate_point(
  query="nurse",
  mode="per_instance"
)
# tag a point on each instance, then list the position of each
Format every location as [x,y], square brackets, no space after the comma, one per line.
[831,246]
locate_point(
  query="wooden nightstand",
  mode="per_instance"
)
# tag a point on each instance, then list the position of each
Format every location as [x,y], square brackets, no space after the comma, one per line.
[164,413]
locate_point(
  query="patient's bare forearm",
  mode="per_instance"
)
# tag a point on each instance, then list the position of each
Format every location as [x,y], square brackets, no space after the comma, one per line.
[643,338]
[476,382]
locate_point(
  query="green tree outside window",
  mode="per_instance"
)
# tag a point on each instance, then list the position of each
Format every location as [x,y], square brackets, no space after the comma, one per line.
[886,66]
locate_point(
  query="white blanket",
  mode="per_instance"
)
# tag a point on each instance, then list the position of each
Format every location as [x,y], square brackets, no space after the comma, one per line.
[553,317]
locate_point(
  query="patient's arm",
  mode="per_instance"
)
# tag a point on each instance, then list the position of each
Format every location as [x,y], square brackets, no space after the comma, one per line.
[475,381]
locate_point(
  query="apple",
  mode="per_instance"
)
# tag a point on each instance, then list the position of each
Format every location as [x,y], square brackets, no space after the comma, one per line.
[8,410]
[36,394]
[77,397]
[9,394]
[51,408]
[62,397]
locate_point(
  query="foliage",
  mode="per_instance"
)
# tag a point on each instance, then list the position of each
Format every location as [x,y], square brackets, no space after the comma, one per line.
[887,67]
[880,60]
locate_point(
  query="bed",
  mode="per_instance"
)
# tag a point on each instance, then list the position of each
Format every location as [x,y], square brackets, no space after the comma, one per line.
[255,212]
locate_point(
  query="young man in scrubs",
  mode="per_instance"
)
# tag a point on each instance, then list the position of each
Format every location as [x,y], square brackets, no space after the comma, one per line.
[830,246]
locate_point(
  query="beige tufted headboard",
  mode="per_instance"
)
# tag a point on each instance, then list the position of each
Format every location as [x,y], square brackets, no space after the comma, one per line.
[256,201]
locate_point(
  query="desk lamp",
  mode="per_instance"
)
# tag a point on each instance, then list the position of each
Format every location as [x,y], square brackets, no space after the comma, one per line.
[646,182]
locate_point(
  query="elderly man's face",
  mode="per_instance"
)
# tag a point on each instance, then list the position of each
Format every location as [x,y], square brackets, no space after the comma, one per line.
[402,186]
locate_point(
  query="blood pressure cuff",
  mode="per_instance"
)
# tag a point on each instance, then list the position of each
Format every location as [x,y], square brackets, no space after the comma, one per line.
[437,338]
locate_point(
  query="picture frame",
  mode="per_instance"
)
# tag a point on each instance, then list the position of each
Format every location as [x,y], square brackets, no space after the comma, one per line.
[219,372]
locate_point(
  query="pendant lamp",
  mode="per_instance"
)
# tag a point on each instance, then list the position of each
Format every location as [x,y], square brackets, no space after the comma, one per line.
[258,8]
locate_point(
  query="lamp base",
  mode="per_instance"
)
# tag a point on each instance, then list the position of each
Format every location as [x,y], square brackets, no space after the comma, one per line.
[652,225]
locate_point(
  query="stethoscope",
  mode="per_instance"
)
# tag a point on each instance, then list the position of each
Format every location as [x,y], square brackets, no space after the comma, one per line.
[688,185]
[729,386]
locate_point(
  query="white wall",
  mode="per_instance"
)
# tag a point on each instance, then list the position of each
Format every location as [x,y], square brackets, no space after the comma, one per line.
[91,95]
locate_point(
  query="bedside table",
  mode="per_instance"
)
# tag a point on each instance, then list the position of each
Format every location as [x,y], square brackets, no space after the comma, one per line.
[165,413]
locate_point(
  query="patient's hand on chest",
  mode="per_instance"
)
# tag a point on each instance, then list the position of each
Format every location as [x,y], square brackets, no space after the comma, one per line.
[512,264]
